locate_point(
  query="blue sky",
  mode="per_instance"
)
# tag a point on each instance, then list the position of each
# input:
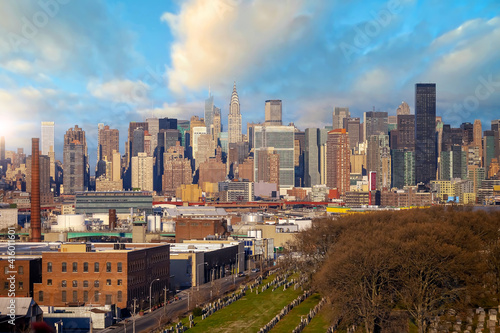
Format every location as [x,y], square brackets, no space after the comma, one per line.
[89,62]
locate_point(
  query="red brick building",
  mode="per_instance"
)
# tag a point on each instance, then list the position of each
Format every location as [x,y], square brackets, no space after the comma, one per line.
[212,171]
[27,272]
[78,275]
[189,228]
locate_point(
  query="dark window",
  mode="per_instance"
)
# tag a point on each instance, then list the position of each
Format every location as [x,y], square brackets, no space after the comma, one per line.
[119,282]
[119,267]
[108,282]
[108,299]
[6,285]
[63,295]
[108,267]
[85,267]
[85,284]
[40,296]
[75,296]
[96,267]
[49,267]
[85,296]
[119,296]
[96,283]
[63,283]
[75,267]
[20,270]
[49,282]
[21,286]
[64,267]
[75,284]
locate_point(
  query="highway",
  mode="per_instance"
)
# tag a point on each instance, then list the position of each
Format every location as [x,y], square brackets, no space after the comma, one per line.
[150,321]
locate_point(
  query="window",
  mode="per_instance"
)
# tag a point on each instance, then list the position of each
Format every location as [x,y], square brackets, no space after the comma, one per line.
[96,267]
[21,286]
[108,267]
[85,296]
[75,296]
[63,283]
[40,296]
[119,282]
[96,283]
[49,282]
[85,267]
[119,267]
[119,296]
[6,285]
[75,284]
[75,267]
[64,268]
[85,284]
[20,270]
[108,299]
[108,282]
[49,267]
[96,296]
[63,295]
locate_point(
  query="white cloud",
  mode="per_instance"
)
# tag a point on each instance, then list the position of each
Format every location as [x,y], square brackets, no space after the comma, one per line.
[120,91]
[173,110]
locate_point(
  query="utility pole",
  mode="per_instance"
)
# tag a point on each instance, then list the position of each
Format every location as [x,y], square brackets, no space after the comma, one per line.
[133,321]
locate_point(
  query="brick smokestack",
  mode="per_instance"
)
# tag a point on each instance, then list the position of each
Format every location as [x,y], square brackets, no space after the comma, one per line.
[36,225]
[112,219]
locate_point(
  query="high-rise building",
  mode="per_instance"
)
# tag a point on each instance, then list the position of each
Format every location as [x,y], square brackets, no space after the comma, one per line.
[378,159]
[177,170]
[108,141]
[234,118]
[495,127]
[153,129]
[375,123]
[488,149]
[352,125]
[197,132]
[339,114]
[453,164]
[478,137]
[281,138]
[138,141]
[268,169]
[74,167]
[467,133]
[47,137]
[312,157]
[403,109]
[406,132]
[209,113]
[142,172]
[130,140]
[216,127]
[403,168]
[273,112]
[425,132]
[183,126]
[338,160]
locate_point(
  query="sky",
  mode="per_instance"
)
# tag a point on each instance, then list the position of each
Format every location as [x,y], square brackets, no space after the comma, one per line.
[113,62]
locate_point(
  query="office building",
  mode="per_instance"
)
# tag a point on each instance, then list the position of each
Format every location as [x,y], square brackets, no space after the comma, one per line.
[425,132]
[281,138]
[375,123]
[75,161]
[339,114]
[478,137]
[268,168]
[403,168]
[378,160]
[177,170]
[47,137]
[352,125]
[142,172]
[273,112]
[405,132]
[312,157]
[403,109]
[108,141]
[489,149]
[234,118]
[338,161]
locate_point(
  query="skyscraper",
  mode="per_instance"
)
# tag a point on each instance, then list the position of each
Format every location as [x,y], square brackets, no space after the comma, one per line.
[177,170]
[142,172]
[153,129]
[273,112]
[75,158]
[268,170]
[338,156]
[352,125]
[108,140]
[406,132]
[478,137]
[378,159]
[312,158]
[339,114]
[209,112]
[375,123]
[47,136]
[234,118]
[403,109]
[281,138]
[425,132]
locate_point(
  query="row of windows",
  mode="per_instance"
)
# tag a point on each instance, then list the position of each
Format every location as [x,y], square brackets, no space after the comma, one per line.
[6,285]
[74,284]
[64,267]
[20,270]
[95,297]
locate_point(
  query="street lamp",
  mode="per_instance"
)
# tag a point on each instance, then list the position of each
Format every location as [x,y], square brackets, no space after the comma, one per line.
[150,285]
[198,274]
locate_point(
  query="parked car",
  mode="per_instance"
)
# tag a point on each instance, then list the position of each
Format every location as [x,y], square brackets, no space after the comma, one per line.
[255,270]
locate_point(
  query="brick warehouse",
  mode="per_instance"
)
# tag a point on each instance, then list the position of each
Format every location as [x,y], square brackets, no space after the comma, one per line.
[79,275]
[199,228]
[28,271]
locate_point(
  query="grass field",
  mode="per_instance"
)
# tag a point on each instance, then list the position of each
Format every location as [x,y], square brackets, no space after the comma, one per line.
[249,313]
[292,319]
[319,322]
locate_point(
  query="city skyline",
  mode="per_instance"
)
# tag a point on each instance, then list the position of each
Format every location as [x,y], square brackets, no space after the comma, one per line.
[314,57]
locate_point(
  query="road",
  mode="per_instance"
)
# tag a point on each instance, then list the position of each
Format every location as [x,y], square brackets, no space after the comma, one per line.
[152,320]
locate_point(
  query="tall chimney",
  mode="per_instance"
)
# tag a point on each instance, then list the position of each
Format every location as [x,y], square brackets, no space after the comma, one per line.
[36,227]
